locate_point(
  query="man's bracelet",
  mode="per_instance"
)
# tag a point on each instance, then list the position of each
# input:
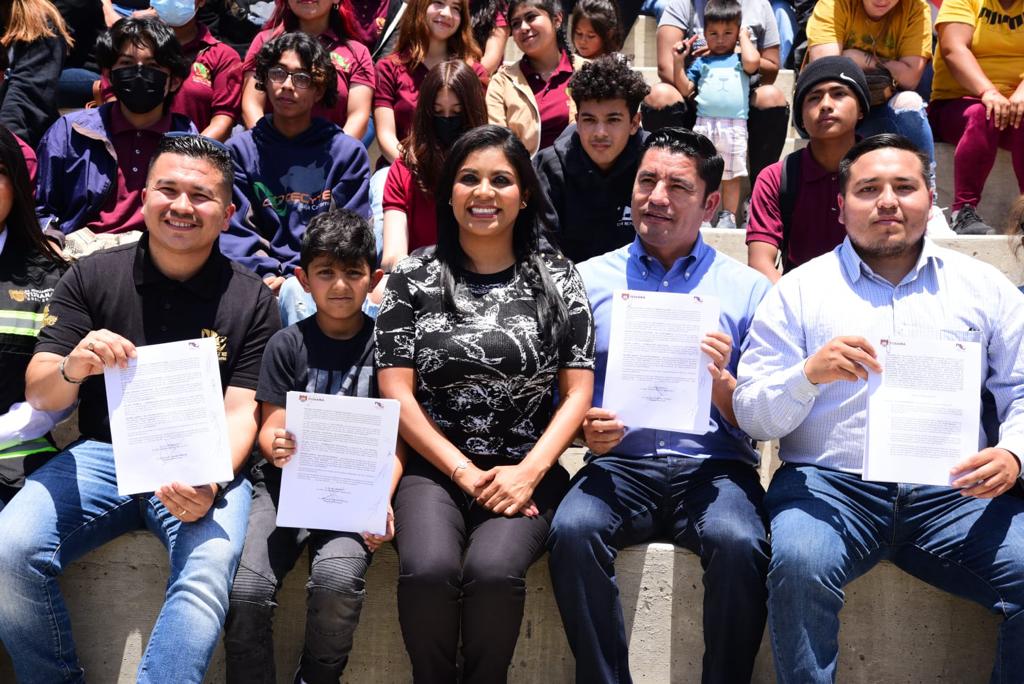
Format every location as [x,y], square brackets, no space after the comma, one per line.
[65,375]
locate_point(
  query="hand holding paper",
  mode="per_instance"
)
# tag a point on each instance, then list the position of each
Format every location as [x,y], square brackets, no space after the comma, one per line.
[657,373]
[986,474]
[847,358]
[924,410]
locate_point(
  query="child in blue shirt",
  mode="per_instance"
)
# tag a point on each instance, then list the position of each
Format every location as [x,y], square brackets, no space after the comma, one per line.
[721,77]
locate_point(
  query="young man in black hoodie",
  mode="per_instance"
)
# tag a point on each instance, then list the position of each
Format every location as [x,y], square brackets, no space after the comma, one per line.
[588,173]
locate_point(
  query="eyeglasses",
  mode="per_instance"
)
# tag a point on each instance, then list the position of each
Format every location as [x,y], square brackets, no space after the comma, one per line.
[300,79]
[206,139]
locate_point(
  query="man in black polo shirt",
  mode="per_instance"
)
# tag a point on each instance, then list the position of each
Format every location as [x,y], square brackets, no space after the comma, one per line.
[174,284]
[588,173]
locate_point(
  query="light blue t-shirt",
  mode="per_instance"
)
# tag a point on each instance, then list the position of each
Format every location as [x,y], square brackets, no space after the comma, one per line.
[723,87]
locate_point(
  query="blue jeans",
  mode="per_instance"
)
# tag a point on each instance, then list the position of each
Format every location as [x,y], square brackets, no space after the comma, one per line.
[294,302]
[69,507]
[911,122]
[785,17]
[828,528]
[377,181]
[710,507]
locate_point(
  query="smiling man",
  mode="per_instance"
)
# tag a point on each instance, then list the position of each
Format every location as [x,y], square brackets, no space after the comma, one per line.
[174,284]
[702,492]
[802,380]
[588,173]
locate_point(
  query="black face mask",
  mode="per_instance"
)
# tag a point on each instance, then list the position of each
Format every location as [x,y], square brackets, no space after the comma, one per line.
[448,129]
[672,116]
[139,88]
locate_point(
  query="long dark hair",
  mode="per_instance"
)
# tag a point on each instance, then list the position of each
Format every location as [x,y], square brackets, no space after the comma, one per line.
[313,56]
[341,19]
[422,152]
[23,231]
[552,8]
[526,232]
[485,17]
[603,16]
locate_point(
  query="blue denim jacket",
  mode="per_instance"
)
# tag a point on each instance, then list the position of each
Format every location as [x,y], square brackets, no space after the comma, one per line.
[78,168]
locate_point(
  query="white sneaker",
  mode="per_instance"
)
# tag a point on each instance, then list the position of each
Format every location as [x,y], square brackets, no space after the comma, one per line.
[726,220]
[938,226]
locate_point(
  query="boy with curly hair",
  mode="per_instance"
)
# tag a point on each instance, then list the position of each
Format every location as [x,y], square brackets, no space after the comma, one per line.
[588,173]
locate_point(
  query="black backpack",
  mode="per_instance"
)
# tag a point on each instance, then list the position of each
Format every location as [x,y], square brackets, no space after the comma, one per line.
[789,190]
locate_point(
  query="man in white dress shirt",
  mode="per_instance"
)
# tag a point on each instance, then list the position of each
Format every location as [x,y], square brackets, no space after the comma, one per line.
[802,380]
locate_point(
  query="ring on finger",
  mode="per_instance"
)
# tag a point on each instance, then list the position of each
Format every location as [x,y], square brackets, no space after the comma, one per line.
[90,347]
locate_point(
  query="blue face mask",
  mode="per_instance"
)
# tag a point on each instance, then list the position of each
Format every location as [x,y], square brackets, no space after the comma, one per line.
[174,13]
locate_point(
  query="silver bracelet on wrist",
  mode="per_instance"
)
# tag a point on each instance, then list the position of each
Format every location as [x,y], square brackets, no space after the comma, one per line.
[64,375]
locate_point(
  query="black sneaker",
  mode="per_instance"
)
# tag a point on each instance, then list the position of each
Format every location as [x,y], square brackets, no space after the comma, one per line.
[967,222]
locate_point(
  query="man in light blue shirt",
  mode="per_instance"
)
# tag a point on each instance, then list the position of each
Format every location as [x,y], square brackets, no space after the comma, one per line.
[699,491]
[802,380]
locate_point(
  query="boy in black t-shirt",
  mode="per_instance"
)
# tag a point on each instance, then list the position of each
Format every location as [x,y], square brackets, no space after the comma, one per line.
[330,352]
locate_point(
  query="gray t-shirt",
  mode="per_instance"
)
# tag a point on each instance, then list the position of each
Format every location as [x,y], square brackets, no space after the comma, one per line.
[688,15]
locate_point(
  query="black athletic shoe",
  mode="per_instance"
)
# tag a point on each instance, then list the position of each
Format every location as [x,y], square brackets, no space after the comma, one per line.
[967,222]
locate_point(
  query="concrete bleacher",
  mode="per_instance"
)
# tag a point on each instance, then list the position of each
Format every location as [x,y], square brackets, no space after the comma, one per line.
[895,628]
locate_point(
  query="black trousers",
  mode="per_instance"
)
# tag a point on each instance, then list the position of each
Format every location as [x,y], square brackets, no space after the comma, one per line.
[462,570]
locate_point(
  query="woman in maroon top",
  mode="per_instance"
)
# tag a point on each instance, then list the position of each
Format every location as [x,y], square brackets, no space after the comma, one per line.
[336,28]
[451,103]
[431,32]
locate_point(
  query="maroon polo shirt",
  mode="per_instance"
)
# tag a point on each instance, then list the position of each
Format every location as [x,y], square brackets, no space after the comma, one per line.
[350,58]
[133,147]
[398,88]
[402,193]
[30,158]
[371,15]
[552,98]
[213,85]
[815,227]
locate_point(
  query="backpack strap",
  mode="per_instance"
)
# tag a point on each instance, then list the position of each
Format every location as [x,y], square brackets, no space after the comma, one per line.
[789,189]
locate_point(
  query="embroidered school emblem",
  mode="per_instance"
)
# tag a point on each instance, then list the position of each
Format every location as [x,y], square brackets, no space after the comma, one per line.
[201,73]
[16,295]
[380,23]
[48,319]
[222,343]
[340,62]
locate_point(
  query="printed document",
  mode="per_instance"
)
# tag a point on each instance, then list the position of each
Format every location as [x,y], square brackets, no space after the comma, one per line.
[167,419]
[657,376]
[340,476]
[924,410]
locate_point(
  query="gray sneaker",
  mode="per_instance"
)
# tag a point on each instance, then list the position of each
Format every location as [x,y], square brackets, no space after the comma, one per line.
[727,220]
[967,222]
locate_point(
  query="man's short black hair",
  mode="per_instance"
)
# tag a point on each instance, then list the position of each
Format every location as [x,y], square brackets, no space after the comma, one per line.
[609,78]
[314,58]
[710,164]
[199,147]
[149,33]
[722,11]
[880,142]
[342,235]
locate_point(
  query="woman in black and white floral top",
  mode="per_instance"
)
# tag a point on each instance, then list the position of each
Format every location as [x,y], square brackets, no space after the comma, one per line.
[471,340]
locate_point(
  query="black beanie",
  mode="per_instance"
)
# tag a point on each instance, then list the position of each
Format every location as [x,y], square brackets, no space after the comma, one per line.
[836,68]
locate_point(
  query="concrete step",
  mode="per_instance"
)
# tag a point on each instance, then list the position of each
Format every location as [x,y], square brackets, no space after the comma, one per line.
[894,628]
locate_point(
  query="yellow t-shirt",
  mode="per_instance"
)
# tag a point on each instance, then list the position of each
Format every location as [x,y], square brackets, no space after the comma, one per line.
[905,31]
[997,44]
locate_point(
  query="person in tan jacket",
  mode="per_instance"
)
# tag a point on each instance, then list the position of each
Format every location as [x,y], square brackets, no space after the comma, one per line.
[531,97]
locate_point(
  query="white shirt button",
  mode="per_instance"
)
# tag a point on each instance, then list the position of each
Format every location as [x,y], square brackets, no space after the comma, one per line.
[661,442]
